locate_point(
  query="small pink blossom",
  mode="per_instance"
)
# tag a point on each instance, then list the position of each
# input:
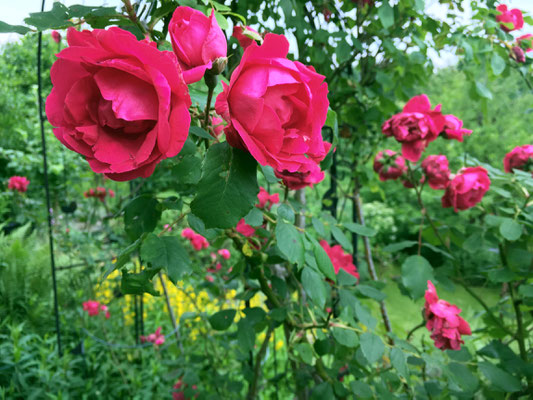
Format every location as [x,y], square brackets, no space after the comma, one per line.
[187,233]
[466,189]
[18,183]
[266,199]
[156,338]
[167,227]
[56,36]
[244,229]
[224,253]
[92,307]
[218,126]
[243,35]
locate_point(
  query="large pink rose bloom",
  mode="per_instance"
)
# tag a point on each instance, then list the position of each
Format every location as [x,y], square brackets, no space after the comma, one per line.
[415,126]
[18,183]
[444,322]
[521,157]
[513,17]
[389,165]
[275,109]
[436,171]
[197,41]
[466,189]
[119,102]
[340,259]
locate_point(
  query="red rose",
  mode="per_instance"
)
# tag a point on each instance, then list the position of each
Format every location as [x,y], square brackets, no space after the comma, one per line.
[510,20]
[56,36]
[389,165]
[266,199]
[275,108]
[444,322]
[119,102]
[340,259]
[415,126]
[436,171]
[197,41]
[521,157]
[244,229]
[245,35]
[18,183]
[453,128]
[466,189]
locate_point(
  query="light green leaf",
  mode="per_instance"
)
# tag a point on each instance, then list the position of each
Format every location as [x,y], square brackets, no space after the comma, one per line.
[510,229]
[416,271]
[372,347]
[386,14]
[314,286]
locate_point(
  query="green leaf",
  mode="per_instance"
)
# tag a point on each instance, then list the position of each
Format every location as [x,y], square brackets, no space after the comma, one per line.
[361,390]
[345,337]
[397,359]
[141,215]
[245,335]
[314,286]
[319,227]
[188,170]
[305,352]
[323,261]
[483,91]
[124,256]
[168,253]
[268,173]
[138,283]
[510,229]
[228,188]
[416,271]
[341,238]
[285,211]
[58,17]
[392,248]
[463,377]
[222,21]
[497,63]
[371,292]
[372,347]
[360,229]
[222,320]
[20,29]
[386,15]
[289,242]
[254,217]
[499,378]
[200,132]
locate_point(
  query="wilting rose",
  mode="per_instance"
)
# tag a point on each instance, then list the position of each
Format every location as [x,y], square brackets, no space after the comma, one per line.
[444,322]
[245,35]
[275,109]
[415,126]
[340,259]
[56,36]
[119,102]
[467,188]
[389,165]
[197,41]
[518,54]
[266,199]
[18,183]
[453,128]
[510,20]
[526,41]
[436,171]
[521,157]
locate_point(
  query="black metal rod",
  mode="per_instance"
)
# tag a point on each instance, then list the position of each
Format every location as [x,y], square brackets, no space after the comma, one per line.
[47,187]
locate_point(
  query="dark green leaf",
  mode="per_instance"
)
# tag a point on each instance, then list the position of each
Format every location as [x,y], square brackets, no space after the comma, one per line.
[314,286]
[463,377]
[341,238]
[58,17]
[371,292]
[289,242]
[483,91]
[510,229]
[6,28]
[228,187]
[200,132]
[416,271]
[168,253]
[497,63]
[397,359]
[345,337]
[360,229]
[141,215]
[254,217]
[361,390]
[285,211]
[392,248]
[324,262]
[222,320]
[139,283]
[499,378]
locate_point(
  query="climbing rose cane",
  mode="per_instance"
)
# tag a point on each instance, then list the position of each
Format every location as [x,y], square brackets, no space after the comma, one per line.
[197,41]
[466,189]
[121,103]
[444,322]
[275,109]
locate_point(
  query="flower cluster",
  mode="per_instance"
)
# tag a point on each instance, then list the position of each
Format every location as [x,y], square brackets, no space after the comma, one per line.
[179,394]
[216,264]
[94,307]
[521,157]
[100,193]
[443,321]
[340,259]
[156,338]
[18,183]
[124,104]
[416,126]
[513,20]
[197,241]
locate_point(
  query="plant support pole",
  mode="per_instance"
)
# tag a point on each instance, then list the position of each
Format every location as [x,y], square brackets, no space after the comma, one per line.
[46,186]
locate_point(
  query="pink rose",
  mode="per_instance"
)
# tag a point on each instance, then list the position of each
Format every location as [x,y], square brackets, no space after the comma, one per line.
[199,242]
[197,41]
[218,126]
[56,36]
[518,54]
[244,229]
[526,41]
[244,35]
[119,102]
[466,189]
[510,20]
[415,126]
[224,253]
[389,165]
[521,157]
[340,259]
[275,109]
[444,322]
[453,128]
[92,307]
[436,171]
[188,233]
[18,183]
[266,199]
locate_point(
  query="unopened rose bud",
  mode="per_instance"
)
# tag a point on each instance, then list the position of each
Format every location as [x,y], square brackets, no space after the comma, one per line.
[518,54]
[219,65]
[56,36]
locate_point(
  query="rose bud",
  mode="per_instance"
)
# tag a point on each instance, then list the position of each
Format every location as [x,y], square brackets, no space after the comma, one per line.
[56,36]
[436,171]
[466,189]
[389,165]
[197,41]
[518,54]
